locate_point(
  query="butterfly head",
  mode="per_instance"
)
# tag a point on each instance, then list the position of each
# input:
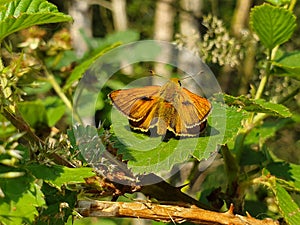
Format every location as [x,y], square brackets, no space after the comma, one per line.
[176,81]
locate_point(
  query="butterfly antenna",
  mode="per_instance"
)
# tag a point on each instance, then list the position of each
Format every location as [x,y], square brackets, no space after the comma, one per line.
[191,76]
[152,72]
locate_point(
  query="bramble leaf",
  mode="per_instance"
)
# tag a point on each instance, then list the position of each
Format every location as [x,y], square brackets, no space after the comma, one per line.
[21,198]
[151,154]
[258,105]
[289,62]
[59,175]
[20,14]
[273,25]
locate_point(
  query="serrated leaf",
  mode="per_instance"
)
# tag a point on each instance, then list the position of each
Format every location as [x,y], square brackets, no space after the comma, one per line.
[273,25]
[60,205]
[289,62]
[287,171]
[20,14]
[224,124]
[151,154]
[258,105]
[288,208]
[59,175]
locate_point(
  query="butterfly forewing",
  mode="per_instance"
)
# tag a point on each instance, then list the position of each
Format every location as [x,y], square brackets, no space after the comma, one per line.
[198,105]
[148,120]
[135,102]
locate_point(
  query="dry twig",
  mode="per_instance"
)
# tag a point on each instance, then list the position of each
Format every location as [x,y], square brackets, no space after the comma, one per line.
[165,213]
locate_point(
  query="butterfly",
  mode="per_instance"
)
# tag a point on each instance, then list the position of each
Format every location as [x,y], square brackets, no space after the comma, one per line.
[167,108]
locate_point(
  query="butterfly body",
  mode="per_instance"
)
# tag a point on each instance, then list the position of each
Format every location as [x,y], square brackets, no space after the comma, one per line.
[170,107]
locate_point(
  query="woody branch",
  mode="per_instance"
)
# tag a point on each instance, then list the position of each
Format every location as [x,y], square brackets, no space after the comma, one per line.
[165,213]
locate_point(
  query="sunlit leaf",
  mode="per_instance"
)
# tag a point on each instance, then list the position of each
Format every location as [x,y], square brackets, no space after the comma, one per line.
[258,105]
[59,175]
[20,14]
[288,207]
[151,154]
[273,25]
[289,62]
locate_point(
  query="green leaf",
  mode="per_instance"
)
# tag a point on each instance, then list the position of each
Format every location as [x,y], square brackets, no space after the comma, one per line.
[3,2]
[267,130]
[258,105]
[20,14]
[55,109]
[59,175]
[60,205]
[151,154]
[288,208]
[22,197]
[121,36]
[33,112]
[289,62]
[63,59]
[37,87]
[79,70]
[273,25]
[40,112]
[224,124]
[278,2]
[286,171]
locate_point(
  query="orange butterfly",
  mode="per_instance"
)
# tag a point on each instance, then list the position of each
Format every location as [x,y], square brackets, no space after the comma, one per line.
[170,107]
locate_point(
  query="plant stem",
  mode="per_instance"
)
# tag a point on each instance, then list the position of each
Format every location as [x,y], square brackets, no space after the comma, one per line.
[231,165]
[60,93]
[265,78]
[58,90]
[292,4]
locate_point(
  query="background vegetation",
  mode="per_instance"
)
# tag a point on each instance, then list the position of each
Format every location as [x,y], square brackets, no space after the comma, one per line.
[253,52]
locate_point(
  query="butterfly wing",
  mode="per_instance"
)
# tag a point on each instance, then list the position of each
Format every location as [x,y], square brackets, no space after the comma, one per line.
[135,103]
[197,108]
[189,114]
[149,119]
[179,127]
[145,107]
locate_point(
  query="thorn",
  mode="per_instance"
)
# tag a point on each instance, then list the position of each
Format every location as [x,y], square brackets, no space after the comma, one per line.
[230,210]
[248,215]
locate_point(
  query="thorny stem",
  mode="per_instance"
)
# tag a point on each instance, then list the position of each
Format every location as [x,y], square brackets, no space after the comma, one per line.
[30,136]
